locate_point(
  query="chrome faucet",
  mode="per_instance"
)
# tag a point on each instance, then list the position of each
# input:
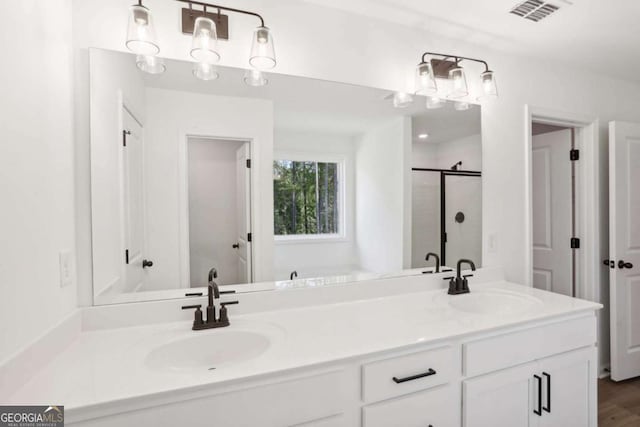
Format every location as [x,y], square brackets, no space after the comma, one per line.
[459,284]
[213,294]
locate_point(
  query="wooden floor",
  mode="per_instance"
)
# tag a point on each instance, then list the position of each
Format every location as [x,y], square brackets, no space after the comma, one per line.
[619,403]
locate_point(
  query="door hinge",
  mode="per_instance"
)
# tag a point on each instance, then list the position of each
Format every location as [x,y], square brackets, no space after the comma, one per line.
[574,155]
[444,237]
[126,256]
[249,237]
[575,243]
[124,137]
[249,163]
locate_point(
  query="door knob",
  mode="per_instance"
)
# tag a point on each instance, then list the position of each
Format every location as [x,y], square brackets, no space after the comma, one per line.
[236,246]
[609,263]
[146,263]
[622,264]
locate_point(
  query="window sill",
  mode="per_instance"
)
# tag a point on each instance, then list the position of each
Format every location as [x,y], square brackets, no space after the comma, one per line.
[309,238]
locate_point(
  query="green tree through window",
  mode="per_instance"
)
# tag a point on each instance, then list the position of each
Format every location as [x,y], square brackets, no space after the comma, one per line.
[305,197]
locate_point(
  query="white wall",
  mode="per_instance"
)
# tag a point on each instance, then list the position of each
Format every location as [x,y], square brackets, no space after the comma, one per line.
[171,115]
[380,199]
[213,210]
[370,52]
[114,82]
[319,258]
[36,168]
[467,149]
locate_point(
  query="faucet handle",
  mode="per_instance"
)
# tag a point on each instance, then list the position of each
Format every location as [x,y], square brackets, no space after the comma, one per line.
[197,317]
[228,303]
[448,278]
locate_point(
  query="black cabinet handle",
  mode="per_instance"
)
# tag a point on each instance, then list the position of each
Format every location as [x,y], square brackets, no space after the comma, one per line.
[548,407]
[414,377]
[622,264]
[193,294]
[146,263]
[236,246]
[539,385]
[227,292]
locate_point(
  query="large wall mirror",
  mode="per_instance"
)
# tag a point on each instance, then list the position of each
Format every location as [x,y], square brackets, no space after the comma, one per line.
[298,181]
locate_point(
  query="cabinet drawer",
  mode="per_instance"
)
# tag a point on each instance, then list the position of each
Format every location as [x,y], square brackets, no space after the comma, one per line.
[503,351]
[406,374]
[439,407]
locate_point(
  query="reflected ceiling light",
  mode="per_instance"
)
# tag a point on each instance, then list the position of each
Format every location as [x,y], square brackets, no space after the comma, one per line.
[425,79]
[434,102]
[205,71]
[150,64]
[489,86]
[255,78]
[434,66]
[461,105]
[141,35]
[204,41]
[402,99]
[263,55]
[423,136]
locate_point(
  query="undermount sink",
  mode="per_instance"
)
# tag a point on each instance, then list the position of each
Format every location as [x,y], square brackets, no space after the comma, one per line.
[208,350]
[491,301]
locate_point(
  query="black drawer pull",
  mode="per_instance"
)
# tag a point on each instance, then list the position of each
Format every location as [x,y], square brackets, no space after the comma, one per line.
[539,385]
[548,407]
[414,377]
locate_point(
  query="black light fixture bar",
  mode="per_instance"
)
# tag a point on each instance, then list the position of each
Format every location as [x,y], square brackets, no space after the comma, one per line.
[455,58]
[228,9]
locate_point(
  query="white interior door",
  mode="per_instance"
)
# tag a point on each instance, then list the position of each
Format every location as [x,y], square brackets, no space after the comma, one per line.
[551,178]
[243,188]
[133,203]
[624,248]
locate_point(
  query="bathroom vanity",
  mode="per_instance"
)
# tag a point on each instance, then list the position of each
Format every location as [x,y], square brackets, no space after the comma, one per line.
[391,352]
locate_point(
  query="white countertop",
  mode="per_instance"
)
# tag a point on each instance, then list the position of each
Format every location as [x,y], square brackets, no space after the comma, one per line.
[103,367]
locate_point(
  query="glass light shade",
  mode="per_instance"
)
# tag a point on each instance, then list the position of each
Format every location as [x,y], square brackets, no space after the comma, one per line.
[434,102]
[255,78]
[263,55]
[204,41]
[141,35]
[425,80]
[489,86]
[150,64]
[205,71]
[402,99]
[459,87]
[461,106]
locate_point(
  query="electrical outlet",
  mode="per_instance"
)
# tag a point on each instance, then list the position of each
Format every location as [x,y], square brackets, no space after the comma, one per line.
[66,268]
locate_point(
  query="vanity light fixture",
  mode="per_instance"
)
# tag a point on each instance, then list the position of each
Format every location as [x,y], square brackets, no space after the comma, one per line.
[435,66]
[206,29]
[141,34]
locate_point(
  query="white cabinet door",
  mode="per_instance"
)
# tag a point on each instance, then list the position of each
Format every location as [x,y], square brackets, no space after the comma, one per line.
[568,389]
[501,399]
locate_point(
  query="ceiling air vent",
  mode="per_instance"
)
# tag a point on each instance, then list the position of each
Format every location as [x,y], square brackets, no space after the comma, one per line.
[534,10]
